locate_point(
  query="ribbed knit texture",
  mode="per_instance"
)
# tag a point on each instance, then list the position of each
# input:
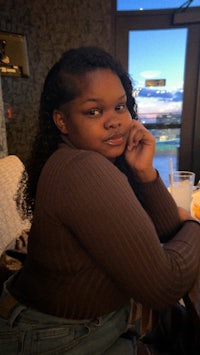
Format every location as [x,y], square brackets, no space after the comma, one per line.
[92,245]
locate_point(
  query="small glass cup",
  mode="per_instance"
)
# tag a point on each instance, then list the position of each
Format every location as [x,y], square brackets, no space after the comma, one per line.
[181,188]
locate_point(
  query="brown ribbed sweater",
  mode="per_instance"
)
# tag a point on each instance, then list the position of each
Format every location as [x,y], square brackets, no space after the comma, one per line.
[92,245]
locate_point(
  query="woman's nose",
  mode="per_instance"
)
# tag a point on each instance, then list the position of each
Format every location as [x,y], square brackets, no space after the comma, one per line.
[112,122]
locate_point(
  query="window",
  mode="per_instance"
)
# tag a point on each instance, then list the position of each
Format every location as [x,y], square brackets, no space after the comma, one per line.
[123,5]
[161,51]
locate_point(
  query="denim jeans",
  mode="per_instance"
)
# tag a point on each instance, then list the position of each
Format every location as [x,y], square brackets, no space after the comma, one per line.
[27,331]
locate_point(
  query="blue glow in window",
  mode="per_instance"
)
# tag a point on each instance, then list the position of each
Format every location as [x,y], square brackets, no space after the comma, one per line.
[123,5]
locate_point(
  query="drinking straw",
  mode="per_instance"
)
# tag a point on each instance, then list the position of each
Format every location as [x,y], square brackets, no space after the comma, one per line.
[171,171]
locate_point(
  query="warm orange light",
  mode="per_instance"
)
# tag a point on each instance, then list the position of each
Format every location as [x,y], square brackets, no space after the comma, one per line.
[196,210]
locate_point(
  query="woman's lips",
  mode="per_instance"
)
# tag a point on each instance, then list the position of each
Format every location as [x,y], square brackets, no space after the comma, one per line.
[115,140]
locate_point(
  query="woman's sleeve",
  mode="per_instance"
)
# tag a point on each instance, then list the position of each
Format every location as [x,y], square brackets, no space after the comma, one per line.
[161,207]
[98,205]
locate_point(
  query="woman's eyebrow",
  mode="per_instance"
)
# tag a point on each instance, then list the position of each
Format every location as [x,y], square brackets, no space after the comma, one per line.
[122,97]
[93,99]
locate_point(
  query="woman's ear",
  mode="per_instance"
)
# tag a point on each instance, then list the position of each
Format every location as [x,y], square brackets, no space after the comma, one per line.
[60,121]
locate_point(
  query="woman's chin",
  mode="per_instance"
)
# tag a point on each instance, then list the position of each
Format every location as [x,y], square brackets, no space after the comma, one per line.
[113,157]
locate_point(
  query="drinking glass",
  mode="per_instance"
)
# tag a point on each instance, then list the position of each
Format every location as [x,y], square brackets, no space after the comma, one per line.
[181,187]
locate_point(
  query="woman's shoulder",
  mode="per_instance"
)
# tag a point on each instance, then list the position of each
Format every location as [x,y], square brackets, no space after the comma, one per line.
[69,160]
[73,167]
[68,155]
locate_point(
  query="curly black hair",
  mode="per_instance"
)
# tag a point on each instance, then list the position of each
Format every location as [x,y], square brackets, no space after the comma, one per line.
[60,87]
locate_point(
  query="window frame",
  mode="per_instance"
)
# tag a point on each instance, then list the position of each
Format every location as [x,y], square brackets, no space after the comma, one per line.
[125,21]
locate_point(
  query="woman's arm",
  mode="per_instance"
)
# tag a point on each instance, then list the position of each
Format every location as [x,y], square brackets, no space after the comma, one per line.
[148,186]
[161,207]
[98,205]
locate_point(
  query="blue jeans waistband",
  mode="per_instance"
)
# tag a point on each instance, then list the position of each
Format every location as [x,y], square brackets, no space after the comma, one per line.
[10,309]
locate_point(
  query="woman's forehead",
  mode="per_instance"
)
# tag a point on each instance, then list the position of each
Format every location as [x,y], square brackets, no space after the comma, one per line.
[99,78]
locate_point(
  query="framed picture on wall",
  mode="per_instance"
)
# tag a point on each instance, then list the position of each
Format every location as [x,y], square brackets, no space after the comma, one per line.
[13,55]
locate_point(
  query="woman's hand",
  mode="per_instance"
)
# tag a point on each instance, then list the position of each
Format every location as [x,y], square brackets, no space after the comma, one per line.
[140,152]
[184,215]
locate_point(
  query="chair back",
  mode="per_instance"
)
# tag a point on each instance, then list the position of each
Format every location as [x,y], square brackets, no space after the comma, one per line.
[11,224]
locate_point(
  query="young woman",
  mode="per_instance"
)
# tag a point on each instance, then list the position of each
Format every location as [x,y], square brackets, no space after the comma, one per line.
[106,234]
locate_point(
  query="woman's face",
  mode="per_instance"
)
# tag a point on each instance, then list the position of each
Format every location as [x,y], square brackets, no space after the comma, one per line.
[98,119]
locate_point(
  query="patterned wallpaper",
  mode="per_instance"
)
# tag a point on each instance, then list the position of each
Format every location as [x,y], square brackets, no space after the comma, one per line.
[50,27]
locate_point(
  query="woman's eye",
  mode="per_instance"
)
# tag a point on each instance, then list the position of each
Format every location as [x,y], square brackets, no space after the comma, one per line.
[94,112]
[121,108]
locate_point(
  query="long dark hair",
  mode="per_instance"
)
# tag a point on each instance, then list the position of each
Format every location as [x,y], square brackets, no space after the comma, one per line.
[60,87]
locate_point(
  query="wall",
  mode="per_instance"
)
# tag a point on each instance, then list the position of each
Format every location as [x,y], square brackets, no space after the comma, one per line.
[3,140]
[50,27]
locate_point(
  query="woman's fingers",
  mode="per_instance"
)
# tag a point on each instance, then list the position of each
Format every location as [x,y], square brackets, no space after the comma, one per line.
[139,135]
